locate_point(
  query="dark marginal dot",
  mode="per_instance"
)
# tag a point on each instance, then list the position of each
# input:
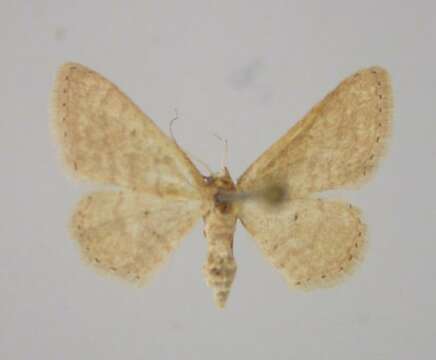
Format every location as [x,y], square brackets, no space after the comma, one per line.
[133,132]
[380,110]
[64,104]
[341,268]
[323,276]
[380,96]
[97,260]
[295,217]
[371,157]
[374,72]
[350,206]
[67,78]
[146,213]
[65,134]
[356,245]
[360,234]
[379,83]
[298,283]
[379,124]
[65,91]
[75,165]
[378,139]
[113,268]
[350,258]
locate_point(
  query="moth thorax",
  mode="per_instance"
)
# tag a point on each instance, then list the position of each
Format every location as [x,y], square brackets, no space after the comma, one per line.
[221,183]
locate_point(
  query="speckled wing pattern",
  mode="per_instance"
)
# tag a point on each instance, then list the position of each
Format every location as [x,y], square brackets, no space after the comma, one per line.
[104,137]
[129,234]
[337,144]
[312,242]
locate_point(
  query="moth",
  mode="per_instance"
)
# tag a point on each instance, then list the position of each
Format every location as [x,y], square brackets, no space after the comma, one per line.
[130,231]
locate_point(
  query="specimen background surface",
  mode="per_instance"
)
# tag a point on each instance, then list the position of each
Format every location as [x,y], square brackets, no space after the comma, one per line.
[247,70]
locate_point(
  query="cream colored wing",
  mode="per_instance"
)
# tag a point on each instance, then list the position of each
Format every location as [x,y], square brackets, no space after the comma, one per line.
[130,234]
[338,143]
[105,137]
[312,242]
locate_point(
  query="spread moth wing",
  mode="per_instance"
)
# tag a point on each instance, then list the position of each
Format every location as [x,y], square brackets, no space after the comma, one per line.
[129,234]
[105,137]
[312,242]
[338,143]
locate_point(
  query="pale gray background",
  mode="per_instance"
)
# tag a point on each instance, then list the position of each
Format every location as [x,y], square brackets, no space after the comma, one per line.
[247,70]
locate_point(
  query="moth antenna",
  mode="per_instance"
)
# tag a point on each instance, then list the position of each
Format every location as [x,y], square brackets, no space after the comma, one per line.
[190,155]
[171,125]
[200,162]
[225,159]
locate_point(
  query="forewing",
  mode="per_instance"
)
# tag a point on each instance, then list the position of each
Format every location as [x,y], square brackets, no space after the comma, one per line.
[338,143]
[130,234]
[312,242]
[105,137]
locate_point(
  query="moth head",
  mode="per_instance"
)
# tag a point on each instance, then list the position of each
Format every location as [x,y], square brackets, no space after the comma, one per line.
[220,180]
